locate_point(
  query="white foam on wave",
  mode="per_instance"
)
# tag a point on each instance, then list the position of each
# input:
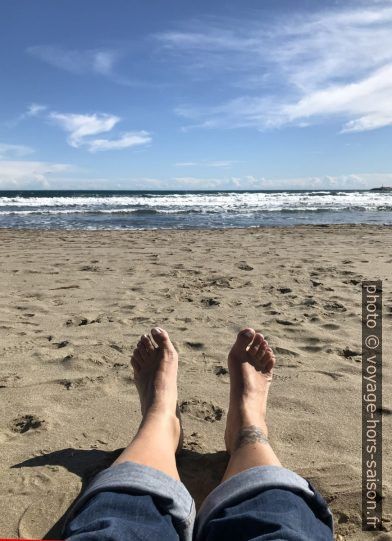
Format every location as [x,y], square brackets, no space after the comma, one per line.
[213,202]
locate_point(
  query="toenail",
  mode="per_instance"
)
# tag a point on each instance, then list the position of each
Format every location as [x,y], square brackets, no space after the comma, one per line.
[248,333]
[156,330]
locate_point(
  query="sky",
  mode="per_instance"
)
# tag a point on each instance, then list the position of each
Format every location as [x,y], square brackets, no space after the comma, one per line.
[258,94]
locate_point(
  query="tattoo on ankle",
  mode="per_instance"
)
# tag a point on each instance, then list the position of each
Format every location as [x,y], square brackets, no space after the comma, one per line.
[251,434]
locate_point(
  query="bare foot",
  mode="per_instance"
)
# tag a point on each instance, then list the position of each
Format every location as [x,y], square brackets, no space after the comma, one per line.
[155,368]
[250,362]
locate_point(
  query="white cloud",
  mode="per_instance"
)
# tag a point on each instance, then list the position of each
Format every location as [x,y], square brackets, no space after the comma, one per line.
[127,140]
[299,70]
[17,151]
[98,61]
[19,175]
[359,181]
[360,100]
[82,127]
[15,175]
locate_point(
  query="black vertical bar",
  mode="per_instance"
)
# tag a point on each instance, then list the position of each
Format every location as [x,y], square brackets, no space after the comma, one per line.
[372,405]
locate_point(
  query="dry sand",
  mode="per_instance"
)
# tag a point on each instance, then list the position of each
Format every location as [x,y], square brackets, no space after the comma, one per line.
[73,305]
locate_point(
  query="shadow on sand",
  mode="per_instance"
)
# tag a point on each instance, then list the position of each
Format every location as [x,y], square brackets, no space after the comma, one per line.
[200,472]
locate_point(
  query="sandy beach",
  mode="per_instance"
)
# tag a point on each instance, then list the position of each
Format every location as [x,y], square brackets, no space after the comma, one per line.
[73,304]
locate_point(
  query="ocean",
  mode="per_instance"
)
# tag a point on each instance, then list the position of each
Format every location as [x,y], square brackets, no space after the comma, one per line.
[190,209]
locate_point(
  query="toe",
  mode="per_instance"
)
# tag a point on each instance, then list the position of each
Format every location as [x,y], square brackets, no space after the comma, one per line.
[161,337]
[147,344]
[142,351]
[137,356]
[262,350]
[136,361]
[244,338]
[255,346]
[267,359]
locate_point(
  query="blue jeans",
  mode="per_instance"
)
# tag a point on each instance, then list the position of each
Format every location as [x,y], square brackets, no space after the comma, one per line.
[133,502]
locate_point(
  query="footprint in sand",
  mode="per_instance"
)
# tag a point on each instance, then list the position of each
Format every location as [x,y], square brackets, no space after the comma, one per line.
[193,442]
[333,375]
[284,290]
[38,518]
[80,382]
[349,353]
[331,326]
[77,322]
[339,485]
[309,302]
[313,345]
[67,359]
[195,345]
[220,370]
[62,344]
[80,321]
[7,380]
[66,287]
[312,348]
[211,302]
[220,282]
[117,348]
[243,265]
[25,423]
[90,268]
[335,306]
[285,322]
[285,352]
[202,410]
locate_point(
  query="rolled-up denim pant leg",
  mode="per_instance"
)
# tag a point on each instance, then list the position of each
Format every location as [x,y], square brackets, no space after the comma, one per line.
[129,501]
[264,503]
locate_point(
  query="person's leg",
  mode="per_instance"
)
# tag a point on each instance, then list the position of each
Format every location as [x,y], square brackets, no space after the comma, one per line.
[140,495]
[258,498]
[155,371]
[250,363]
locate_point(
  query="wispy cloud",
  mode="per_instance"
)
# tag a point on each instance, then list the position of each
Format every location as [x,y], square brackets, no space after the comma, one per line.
[14,151]
[34,109]
[127,140]
[98,61]
[82,128]
[15,175]
[299,70]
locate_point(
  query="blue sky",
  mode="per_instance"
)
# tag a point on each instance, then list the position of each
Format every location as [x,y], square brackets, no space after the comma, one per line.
[268,94]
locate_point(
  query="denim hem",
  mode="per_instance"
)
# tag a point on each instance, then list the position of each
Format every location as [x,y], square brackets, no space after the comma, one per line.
[246,484]
[171,495]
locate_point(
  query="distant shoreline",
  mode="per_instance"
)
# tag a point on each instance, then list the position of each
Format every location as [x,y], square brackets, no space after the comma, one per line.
[382,189]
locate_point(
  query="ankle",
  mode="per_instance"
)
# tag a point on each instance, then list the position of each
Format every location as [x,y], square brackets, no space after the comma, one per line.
[247,434]
[250,415]
[160,422]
